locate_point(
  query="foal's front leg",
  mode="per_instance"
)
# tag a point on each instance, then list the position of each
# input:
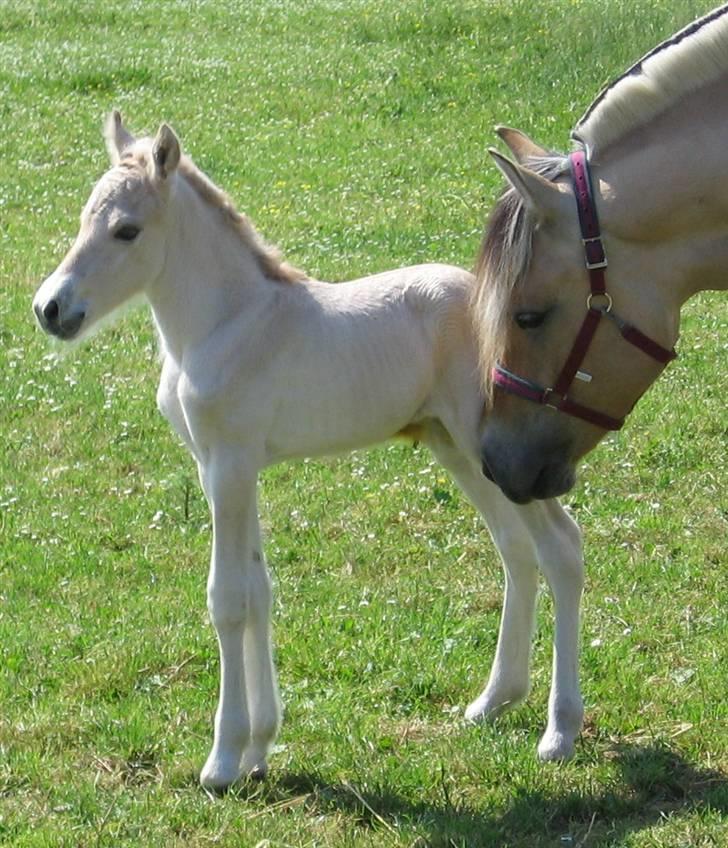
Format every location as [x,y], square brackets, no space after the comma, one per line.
[558,544]
[239,602]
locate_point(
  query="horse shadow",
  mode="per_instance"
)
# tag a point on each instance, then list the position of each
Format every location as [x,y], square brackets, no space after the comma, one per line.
[655,782]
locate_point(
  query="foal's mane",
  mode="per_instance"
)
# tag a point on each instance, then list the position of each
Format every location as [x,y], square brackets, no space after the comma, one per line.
[694,57]
[268,257]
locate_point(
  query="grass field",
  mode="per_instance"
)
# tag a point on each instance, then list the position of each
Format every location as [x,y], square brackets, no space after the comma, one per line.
[354,134]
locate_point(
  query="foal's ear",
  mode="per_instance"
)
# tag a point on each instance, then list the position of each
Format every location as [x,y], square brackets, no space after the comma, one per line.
[166,151]
[117,137]
[520,145]
[542,197]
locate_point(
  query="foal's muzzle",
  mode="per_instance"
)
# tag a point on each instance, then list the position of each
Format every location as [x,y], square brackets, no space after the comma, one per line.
[57,320]
[49,318]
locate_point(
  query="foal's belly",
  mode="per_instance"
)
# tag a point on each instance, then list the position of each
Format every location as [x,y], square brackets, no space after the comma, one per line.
[340,422]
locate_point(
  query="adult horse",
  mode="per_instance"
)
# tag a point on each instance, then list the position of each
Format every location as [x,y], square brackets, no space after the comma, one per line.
[642,202]
[261,364]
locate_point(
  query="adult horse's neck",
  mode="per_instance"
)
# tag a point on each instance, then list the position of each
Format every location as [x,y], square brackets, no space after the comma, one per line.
[665,188]
[209,276]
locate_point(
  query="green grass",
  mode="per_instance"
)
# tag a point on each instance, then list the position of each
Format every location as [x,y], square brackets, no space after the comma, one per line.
[355,136]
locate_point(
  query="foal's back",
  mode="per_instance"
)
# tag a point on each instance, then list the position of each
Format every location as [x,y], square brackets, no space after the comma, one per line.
[329,367]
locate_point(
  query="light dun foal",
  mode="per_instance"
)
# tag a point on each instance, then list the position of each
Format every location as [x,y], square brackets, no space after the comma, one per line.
[261,364]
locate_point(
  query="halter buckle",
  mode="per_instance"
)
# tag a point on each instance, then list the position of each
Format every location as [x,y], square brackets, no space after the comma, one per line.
[595,256]
[546,399]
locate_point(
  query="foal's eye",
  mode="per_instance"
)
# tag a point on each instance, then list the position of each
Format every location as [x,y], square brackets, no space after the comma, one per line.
[529,320]
[127,232]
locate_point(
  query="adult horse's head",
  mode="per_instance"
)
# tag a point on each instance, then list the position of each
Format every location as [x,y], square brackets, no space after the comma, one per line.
[120,245]
[582,275]
[569,343]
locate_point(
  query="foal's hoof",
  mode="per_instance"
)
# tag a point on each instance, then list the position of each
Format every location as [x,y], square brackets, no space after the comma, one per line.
[556,747]
[254,767]
[260,772]
[219,775]
[492,704]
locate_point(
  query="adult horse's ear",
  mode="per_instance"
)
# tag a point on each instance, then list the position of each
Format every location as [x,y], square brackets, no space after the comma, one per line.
[542,197]
[520,145]
[166,151]
[117,137]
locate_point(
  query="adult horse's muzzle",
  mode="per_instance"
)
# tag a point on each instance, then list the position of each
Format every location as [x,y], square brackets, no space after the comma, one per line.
[56,313]
[524,472]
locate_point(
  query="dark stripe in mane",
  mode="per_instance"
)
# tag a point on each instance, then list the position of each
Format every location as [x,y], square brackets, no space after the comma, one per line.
[637,69]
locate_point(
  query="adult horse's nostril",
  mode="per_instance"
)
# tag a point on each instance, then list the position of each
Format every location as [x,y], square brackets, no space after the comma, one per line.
[51,312]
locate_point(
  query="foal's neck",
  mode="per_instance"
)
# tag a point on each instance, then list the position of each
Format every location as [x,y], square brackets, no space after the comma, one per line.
[209,275]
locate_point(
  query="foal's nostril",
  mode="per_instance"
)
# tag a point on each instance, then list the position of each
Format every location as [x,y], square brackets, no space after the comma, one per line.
[51,312]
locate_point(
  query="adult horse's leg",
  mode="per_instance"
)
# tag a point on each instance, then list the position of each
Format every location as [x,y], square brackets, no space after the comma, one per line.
[540,535]
[239,600]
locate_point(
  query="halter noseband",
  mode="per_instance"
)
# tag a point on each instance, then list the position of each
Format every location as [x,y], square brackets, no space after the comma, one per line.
[598,304]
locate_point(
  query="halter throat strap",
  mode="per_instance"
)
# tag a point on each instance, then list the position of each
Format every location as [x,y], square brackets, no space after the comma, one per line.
[598,303]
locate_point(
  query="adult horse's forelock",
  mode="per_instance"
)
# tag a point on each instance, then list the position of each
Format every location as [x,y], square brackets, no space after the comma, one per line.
[504,257]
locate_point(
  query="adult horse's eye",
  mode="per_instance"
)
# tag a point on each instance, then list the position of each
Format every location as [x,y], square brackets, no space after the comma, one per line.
[529,320]
[127,232]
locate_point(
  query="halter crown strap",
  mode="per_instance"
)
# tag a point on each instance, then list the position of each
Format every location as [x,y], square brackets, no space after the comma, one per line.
[591,237]
[595,259]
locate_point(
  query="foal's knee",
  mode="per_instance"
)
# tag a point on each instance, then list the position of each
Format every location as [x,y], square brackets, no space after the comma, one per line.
[226,606]
[234,602]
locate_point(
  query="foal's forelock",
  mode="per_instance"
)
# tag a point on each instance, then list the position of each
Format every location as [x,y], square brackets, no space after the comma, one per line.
[501,266]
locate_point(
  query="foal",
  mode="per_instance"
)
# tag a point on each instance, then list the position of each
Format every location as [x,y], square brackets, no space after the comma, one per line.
[261,364]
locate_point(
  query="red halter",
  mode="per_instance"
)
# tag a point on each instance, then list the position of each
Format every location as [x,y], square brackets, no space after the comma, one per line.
[598,304]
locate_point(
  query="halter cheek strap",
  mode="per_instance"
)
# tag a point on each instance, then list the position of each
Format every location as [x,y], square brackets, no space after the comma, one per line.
[598,304]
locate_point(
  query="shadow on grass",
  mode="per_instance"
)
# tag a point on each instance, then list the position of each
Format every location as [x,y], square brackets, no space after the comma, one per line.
[655,782]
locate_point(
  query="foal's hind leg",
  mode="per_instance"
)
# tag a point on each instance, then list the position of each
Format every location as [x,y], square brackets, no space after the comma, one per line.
[538,535]
[239,601]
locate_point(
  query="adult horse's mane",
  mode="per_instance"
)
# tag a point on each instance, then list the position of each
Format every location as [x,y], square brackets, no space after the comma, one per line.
[268,257]
[695,56]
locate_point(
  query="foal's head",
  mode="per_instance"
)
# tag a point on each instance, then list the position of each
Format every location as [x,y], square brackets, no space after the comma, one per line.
[120,245]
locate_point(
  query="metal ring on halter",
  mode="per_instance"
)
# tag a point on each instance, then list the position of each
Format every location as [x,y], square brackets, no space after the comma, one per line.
[604,309]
